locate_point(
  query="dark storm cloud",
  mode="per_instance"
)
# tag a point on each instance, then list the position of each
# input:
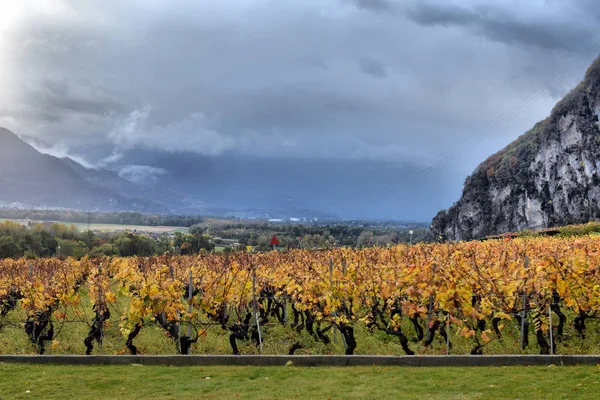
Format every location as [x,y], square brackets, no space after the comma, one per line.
[571,27]
[401,81]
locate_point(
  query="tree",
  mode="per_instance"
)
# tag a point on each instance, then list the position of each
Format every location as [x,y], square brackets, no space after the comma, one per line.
[130,244]
[313,242]
[106,249]
[72,248]
[365,239]
[8,247]
[192,244]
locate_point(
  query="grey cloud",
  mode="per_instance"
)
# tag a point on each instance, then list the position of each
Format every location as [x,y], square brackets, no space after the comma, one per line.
[372,67]
[287,79]
[114,157]
[373,5]
[141,174]
[569,26]
[190,134]
[57,150]
[68,97]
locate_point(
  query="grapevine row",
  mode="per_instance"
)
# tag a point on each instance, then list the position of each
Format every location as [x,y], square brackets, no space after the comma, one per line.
[476,286]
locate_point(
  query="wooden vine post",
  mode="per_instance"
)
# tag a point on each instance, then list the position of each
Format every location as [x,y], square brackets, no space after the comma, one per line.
[190,308]
[255,307]
[523,312]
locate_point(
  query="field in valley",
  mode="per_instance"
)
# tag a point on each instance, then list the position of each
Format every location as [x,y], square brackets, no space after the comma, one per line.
[110,228]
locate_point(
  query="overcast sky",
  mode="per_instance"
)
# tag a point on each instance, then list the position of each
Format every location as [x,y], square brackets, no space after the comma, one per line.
[441,84]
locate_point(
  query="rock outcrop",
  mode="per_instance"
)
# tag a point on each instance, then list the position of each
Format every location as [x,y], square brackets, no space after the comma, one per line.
[549,176]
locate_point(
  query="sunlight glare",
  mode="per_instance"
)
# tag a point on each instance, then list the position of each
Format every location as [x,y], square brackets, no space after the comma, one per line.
[9,12]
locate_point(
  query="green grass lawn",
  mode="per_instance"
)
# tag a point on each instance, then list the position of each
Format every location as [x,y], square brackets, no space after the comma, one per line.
[22,381]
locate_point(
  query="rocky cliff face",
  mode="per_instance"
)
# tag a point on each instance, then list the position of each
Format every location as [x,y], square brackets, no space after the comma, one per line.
[549,176]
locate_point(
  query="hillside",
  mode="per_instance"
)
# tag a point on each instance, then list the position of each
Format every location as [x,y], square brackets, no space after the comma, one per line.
[30,178]
[547,177]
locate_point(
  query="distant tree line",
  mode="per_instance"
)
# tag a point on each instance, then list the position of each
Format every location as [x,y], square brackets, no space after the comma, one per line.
[309,236]
[44,240]
[117,218]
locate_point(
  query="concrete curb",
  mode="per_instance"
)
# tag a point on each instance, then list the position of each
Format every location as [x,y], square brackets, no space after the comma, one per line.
[309,361]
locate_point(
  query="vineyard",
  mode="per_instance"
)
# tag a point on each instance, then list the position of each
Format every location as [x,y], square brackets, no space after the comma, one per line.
[537,295]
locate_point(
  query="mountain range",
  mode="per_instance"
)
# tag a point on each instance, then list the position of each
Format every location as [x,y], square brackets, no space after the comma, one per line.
[30,178]
[549,176]
[153,181]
